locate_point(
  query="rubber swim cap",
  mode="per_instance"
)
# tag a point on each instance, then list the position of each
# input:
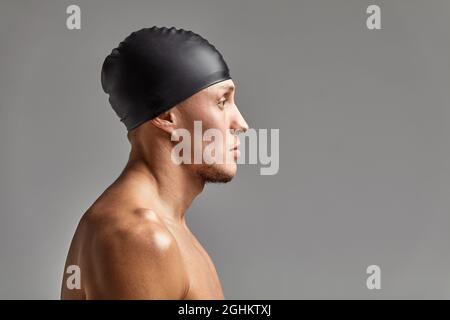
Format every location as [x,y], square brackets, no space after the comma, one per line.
[154,69]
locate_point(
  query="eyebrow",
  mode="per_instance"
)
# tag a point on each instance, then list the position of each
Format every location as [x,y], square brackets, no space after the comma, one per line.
[227,87]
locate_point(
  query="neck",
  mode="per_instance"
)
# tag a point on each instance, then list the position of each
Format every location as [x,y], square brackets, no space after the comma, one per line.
[160,184]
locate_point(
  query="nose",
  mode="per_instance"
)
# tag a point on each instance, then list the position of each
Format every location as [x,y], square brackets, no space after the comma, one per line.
[239,125]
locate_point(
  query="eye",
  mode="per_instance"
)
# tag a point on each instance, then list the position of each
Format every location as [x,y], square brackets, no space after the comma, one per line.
[221,103]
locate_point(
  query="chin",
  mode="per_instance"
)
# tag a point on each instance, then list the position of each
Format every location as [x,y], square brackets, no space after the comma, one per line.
[218,173]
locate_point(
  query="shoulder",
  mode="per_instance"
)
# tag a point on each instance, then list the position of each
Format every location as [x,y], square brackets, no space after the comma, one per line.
[138,251]
[140,231]
[139,226]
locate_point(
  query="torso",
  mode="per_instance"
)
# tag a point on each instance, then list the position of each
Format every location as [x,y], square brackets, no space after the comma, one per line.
[202,278]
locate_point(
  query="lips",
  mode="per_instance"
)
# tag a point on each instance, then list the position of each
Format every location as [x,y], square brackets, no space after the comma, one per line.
[236,147]
[236,151]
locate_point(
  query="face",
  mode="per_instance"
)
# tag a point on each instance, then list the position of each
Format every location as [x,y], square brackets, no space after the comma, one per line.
[221,121]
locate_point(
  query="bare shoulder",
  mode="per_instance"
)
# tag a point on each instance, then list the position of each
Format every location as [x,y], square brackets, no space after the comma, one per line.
[137,226]
[132,255]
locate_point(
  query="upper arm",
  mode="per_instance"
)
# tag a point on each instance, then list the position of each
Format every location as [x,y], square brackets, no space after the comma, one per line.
[139,263]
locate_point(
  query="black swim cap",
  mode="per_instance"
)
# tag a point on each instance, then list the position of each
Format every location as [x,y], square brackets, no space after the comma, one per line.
[154,69]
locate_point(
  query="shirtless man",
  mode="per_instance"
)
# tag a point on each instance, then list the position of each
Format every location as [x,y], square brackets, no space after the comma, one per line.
[133,242]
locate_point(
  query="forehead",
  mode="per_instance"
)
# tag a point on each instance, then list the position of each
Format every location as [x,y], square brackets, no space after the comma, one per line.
[221,87]
[212,92]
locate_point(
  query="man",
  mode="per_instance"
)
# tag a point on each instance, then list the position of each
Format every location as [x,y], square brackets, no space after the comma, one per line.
[133,242]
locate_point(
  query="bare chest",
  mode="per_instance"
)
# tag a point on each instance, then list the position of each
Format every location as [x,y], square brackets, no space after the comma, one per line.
[203,280]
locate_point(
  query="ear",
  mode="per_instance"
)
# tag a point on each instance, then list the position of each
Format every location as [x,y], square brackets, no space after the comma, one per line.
[166,121]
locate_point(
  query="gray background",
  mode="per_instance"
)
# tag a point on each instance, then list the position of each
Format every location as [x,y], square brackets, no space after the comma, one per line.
[364,142]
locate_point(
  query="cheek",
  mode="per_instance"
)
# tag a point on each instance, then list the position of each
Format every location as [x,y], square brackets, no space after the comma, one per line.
[213,119]
[218,122]
[210,116]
